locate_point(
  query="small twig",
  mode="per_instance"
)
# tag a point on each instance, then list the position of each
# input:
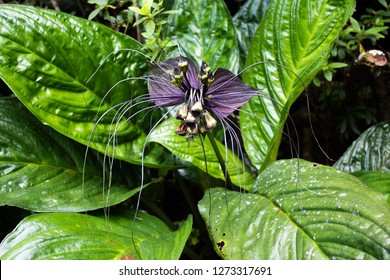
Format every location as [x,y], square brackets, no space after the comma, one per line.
[136,18]
[55,5]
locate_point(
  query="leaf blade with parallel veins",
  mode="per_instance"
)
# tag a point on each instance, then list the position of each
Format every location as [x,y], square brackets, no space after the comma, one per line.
[74,74]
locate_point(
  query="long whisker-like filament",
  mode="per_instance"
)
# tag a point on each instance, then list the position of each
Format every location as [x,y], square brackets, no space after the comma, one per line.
[178,87]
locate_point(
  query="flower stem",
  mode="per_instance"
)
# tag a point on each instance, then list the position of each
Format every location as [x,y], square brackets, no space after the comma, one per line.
[220,159]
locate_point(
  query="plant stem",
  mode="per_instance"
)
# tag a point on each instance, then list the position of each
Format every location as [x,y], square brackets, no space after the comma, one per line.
[159,213]
[191,203]
[220,159]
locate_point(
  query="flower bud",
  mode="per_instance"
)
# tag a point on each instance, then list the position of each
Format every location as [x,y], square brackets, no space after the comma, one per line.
[182,64]
[181,130]
[190,118]
[182,113]
[209,120]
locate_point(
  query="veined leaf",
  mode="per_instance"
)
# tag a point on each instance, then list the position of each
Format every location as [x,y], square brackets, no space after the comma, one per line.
[368,158]
[68,236]
[49,60]
[204,30]
[376,180]
[371,151]
[42,170]
[293,40]
[203,158]
[299,210]
[246,21]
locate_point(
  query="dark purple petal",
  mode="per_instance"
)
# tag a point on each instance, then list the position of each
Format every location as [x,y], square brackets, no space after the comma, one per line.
[166,67]
[161,90]
[227,93]
[191,79]
[163,93]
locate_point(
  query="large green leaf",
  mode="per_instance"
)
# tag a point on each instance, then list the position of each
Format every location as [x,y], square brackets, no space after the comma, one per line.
[49,60]
[371,151]
[376,180]
[246,21]
[78,236]
[299,210]
[294,40]
[42,170]
[204,30]
[368,158]
[203,158]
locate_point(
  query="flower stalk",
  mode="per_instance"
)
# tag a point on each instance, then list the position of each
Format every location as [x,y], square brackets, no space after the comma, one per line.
[220,159]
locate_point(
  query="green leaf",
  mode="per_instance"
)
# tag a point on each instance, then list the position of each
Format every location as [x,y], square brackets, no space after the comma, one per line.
[147,5]
[67,236]
[137,10]
[355,24]
[328,75]
[204,30]
[371,151]
[41,170]
[98,2]
[246,21]
[384,3]
[375,31]
[317,81]
[316,213]
[376,180]
[335,65]
[294,40]
[140,21]
[150,27]
[49,60]
[203,158]
[94,13]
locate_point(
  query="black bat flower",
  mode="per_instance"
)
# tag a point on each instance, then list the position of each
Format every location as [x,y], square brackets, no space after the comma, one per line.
[178,81]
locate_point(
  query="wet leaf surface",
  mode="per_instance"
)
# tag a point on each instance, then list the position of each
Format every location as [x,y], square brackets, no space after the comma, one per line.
[74,236]
[316,213]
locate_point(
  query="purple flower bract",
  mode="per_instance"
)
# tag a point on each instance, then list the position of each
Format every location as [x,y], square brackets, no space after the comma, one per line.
[178,81]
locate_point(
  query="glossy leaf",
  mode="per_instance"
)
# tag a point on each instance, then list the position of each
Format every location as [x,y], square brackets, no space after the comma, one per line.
[293,42]
[193,152]
[84,237]
[371,151]
[204,30]
[376,180]
[41,170]
[299,210]
[246,21]
[49,60]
